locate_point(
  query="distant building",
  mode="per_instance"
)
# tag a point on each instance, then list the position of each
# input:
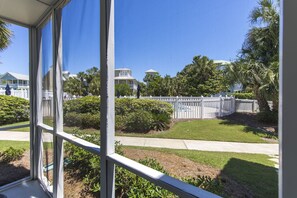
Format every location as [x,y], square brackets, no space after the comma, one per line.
[124,76]
[14,80]
[151,72]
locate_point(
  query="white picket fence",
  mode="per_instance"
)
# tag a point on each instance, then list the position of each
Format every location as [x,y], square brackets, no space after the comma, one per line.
[183,107]
[21,93]
[199,107]
[206,107]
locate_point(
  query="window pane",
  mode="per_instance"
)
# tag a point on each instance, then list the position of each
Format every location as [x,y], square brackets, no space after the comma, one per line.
[47,73]
[48,159]
[81,74]
[184,56]
[14,106]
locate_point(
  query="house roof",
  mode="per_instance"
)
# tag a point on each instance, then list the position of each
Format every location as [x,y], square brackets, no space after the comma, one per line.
[17,76]
[26,12]
[222,62]
[151,71]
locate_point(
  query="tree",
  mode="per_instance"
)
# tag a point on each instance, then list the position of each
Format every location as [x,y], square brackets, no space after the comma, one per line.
[85,82]
[5,35]
[123,90]
[258,64]
[201,77]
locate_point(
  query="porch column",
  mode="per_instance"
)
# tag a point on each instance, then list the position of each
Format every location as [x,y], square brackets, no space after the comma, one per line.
[287,104]
[58,188]
[107,125]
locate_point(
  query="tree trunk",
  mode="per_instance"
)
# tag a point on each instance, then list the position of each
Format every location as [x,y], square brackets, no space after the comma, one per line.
[263,103]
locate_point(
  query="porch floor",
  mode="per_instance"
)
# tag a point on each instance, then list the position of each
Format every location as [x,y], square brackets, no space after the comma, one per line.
[28,189]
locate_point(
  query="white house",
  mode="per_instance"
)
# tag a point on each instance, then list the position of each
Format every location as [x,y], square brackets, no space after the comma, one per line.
[124,76]
[14,80]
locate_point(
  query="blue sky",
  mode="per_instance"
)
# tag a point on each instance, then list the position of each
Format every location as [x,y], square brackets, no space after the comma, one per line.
[160,34]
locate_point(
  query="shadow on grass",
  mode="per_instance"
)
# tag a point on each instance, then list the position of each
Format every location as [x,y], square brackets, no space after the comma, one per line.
[260,180]
[249,129]
[10,173]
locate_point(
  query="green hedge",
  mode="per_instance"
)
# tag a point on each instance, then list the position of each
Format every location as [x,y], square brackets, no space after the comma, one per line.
[133,115]
[250,96]
[83,120]
[13,109]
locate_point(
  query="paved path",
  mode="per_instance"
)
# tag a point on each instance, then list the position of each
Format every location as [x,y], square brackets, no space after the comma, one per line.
[258,148]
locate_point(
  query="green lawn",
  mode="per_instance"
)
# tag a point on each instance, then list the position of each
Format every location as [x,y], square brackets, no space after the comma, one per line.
[212,130]
[25,129]
[254,171]
[4,144]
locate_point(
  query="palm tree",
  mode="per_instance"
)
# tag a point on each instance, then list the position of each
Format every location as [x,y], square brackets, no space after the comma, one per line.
[5,35]
[258,64]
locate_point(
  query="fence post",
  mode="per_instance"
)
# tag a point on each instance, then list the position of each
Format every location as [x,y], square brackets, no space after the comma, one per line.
[202,108]
[254,106]
[176,107]
[221,106]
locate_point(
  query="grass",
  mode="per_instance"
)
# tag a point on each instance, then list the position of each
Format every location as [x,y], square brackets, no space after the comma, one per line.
[4,144]
[255,171]
[211,130]
[25,129]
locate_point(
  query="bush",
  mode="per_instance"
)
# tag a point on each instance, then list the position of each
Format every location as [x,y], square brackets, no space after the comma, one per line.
[269,117]
[87,104]
[13,109]
[158,113]
[124,106]
[11,154]
[207,183]
[82,120]
[139,122]
[249,96]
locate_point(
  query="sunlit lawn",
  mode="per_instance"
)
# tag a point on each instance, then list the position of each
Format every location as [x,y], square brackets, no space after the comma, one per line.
[254,171]
[211,130]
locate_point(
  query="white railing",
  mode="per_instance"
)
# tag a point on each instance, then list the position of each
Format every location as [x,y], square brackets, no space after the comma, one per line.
[21,93]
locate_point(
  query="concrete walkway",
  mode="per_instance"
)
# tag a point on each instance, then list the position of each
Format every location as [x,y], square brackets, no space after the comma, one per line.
[200,145]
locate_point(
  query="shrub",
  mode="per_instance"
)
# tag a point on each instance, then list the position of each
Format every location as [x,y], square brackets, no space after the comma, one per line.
[87,104]
[124,106]
[13,109]
[120,122]
[140,121]
[270,117]
[250,96]
[160,122]
[158,113]
[207,183]
[11,154]
[82,120]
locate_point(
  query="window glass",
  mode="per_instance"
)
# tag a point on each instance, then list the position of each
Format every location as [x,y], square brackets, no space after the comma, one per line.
[14,105]
[188,57]
[47,73]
